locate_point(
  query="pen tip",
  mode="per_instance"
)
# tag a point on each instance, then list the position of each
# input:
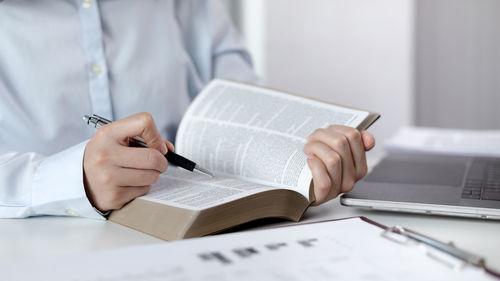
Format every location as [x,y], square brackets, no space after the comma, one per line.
[204,171]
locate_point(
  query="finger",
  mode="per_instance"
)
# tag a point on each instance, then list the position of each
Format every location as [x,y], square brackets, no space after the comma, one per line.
[321,179]
[331,160]
[135,177]
[140,158]
[141,125]
[170,145]
[336,179]
[353,136]
[338,143]
[135,191]
[129,193]
[368,140]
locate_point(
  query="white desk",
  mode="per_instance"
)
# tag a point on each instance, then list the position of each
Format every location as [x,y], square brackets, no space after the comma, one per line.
[57,236]
[44,237]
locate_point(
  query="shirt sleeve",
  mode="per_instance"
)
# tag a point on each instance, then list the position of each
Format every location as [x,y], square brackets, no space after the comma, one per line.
[33,185]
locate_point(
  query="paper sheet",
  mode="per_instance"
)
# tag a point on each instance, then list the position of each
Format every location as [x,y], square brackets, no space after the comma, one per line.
[180,188]
[340,250]
[446,141]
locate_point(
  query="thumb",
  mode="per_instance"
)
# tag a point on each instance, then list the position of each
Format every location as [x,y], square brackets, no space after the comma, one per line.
[368,140]
[139,125]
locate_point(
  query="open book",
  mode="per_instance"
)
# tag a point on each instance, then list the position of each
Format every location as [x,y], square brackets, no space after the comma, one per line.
[252,139]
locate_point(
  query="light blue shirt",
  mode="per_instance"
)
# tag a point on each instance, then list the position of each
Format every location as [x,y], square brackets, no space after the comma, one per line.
[60,60]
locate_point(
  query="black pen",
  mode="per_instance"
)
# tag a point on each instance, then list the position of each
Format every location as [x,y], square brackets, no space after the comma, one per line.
[97,121]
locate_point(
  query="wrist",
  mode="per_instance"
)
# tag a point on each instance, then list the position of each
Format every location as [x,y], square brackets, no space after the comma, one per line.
[91,197]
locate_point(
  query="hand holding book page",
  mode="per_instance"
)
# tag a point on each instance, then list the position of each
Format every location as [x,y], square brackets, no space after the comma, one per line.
[259,135]
[336,157]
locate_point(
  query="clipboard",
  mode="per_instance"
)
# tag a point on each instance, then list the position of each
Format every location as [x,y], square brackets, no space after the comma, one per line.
[354,248]
[430,246]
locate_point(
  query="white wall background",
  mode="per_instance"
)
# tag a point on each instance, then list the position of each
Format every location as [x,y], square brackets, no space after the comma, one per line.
[458,63]
[352,52]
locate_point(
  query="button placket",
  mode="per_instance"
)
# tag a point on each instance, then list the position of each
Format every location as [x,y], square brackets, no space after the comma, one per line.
[93,45]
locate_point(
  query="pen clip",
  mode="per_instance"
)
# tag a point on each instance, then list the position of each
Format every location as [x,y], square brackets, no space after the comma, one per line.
[96,121]
[102,119]
[430,243]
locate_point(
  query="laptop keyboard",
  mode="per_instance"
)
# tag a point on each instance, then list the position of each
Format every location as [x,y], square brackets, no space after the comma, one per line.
[483,180]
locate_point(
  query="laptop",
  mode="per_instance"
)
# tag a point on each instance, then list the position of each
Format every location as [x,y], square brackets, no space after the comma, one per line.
[465,186]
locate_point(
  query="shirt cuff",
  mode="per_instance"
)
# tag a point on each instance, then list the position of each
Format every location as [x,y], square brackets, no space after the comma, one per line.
[58,186]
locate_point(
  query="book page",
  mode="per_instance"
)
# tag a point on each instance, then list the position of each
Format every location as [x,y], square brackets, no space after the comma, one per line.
[446,141]
[256,134]
[184,189]
[348,249]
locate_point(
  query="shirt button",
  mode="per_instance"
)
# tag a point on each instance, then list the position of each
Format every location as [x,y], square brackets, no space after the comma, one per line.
[72,212]
[96,68]
[86,3]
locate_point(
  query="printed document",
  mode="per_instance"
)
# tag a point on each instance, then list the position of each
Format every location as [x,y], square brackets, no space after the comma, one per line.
[446,141]
[350,249]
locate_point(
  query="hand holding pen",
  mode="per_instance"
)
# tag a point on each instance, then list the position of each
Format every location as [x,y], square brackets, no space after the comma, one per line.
[115,173]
